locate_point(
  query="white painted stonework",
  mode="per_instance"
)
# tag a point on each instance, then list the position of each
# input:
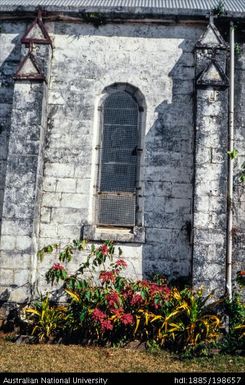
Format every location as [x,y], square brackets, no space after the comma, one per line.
[49,150]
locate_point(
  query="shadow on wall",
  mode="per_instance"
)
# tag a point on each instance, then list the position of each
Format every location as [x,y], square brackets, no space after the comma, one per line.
[169,144]
[7,71]
[169,159]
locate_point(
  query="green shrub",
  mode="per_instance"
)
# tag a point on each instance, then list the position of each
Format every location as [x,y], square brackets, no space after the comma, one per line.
[47,320]
[234,341]
[104,307]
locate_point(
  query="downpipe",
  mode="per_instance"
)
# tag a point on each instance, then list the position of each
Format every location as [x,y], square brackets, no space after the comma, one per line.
[230,165]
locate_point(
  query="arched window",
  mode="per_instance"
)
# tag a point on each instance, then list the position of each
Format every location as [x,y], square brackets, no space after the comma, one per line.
[119,161]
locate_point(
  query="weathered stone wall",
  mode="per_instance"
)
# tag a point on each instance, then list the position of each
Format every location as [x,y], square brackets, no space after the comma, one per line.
[239,187]
[210,202]
[210,190]
[158,60]
[23,176]
[10,53]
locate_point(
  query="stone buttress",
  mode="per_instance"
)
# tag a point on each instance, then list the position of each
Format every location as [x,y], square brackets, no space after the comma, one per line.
[211,144]
[25,166]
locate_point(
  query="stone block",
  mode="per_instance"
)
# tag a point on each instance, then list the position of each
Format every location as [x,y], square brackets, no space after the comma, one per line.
[79,201]
[182,190]
[44,241]
[24,166]
[82,171]
[206,172]
[17,226]
[218,155]
[15,259]
[5,109]
[218,204]
[202,219]
[158,205]
[178,205]
[212,274]
[48,230]
[216,187]
[22,277]
[83,186]
[66,185]
[203,155]
[60,170]
[68,216]
[69,231]
[20,295]
[168,174]
[156,236]
[49,184]
[201,203]
[7,277]
[159,189]
[8,242]
[183,87]
[23,243]
[157,267]
[50,199]
[209,237]
[45,215]
[183,72]
[166,220]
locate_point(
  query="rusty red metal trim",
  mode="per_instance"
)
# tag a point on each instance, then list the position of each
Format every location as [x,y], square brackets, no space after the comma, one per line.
[224,82]
[38,21]
[39,76]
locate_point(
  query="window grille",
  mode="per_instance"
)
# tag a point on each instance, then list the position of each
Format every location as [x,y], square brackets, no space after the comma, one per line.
[116,210]
[116,200]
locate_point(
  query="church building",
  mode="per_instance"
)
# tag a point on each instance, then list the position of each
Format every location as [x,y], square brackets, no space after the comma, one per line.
[123,120]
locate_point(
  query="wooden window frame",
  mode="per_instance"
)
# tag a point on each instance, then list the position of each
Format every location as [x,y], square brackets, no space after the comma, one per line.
[135,234]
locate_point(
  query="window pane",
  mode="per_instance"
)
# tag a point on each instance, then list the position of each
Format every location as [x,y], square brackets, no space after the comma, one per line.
[118,168]
[118,177]
[120,99]
[120,136]
[119,155]
[121,116]
[119,144]
[116,210]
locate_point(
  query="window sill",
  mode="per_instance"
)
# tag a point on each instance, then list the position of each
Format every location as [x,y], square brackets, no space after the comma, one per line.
[94,233]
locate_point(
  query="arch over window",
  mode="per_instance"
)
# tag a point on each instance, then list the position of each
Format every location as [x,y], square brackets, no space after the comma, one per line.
[118,179]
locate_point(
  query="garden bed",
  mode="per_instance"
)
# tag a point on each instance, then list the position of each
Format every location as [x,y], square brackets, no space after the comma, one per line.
[104,311]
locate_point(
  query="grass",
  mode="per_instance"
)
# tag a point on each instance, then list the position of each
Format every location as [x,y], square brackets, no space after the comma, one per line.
[74,358]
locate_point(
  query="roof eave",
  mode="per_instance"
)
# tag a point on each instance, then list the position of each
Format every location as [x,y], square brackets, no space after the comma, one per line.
[138,12]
